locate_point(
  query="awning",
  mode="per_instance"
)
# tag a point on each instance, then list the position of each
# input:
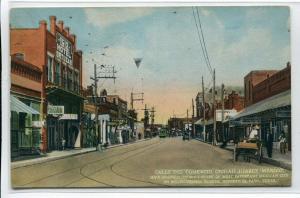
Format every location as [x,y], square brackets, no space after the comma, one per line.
[18,106]
[207,122]
[280,100]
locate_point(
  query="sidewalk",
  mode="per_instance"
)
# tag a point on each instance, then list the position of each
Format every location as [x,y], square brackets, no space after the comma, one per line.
[56,155]
[278,159]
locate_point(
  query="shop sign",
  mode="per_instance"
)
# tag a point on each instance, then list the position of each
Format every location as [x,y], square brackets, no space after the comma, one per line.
[69,117]
[283,114]
[64,51]
[55,110]
[37,124]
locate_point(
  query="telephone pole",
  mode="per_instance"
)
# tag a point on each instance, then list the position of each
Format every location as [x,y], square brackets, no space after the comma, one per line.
[222,98]
[109,73]
[203,105]
[214,140]
[187,121]
[152,115]
[193,117]
[139,97]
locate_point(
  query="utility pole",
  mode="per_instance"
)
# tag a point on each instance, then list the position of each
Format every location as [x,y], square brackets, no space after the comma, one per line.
[187,121]
[146,119]
[193,122]
[107,74]
[222,98]
[152,118]
[214,140]
[203,105]
[140,97]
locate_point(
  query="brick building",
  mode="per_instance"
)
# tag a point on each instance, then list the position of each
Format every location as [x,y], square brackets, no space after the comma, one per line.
[26,89]
[272,85]
[234,101]
[251,80]
[54,52]
[269,107]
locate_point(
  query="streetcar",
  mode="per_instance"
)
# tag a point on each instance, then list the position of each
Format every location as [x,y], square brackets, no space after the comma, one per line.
[162,133]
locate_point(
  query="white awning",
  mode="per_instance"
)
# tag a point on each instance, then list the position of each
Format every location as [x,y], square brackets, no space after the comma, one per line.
[17,106]
[280,100]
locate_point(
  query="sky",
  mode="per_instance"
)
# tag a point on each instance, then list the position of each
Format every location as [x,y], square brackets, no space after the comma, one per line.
[238,40]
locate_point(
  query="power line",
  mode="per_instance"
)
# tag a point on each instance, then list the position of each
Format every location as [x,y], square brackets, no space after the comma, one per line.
[205,49]
[201,44]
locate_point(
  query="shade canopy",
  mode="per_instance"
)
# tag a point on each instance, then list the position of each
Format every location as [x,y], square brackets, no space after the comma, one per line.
[17,106]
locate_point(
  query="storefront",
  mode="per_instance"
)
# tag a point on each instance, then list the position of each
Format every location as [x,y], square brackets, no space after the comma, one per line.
[25,126]
[63,120]
[272,114]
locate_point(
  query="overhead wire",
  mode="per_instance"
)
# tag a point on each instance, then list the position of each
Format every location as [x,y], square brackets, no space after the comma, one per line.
[203,41]
[201,44]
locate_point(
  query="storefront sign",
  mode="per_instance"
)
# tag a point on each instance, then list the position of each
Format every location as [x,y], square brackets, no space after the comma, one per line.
[283,114]
[55,110]
[69,117]
[64,52]
[37,124]
[227,113]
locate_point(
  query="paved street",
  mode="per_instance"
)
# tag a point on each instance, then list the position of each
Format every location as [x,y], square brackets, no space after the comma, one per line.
[148,164]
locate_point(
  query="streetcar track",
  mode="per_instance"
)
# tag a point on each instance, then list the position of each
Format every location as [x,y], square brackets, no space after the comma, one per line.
[101,169]
[149,182]
[65,171]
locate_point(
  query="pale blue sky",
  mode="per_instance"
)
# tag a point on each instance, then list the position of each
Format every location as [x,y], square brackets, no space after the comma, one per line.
[238,40]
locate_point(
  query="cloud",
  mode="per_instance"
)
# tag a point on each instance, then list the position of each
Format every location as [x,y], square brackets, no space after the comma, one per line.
[107,17]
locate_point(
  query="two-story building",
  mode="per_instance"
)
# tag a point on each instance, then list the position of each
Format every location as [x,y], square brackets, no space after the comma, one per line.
[55,53]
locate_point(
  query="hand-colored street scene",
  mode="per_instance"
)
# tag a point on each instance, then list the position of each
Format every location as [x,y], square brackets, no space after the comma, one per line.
[150,97]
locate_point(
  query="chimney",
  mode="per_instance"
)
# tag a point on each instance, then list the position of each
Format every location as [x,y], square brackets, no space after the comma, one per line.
[60,25]
[73,38]
[288,64]
[43,24]
[52,24]
[67,30]
[79,52]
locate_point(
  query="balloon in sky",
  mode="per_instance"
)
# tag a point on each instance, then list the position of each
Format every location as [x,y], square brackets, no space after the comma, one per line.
[138,62]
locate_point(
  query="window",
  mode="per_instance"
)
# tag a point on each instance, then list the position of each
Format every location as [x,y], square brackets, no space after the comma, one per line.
[70,80]
[19,56]
[76,81]
[57,73]
[50,69]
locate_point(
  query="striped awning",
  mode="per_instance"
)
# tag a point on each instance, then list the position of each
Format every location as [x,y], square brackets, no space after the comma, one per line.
[17,106]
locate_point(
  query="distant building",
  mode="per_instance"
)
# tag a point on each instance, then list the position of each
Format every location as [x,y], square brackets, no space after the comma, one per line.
[234,101]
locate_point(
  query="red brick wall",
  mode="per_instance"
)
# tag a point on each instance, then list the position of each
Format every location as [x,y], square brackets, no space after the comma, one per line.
[277,83]
[234,101]
[251,80]
[31,43]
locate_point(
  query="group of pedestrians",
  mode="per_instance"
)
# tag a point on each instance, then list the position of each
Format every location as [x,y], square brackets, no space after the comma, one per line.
[282,143]
[269,140]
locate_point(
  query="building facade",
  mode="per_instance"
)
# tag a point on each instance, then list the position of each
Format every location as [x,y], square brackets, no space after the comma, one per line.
[54,52]
[251,80]
[270,108]
[26,88]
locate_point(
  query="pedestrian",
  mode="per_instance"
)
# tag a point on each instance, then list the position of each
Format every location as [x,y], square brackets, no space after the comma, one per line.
[63,142]
[282,142]
[269,143]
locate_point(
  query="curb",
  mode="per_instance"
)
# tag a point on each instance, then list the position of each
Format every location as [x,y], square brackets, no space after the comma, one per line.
[264,159]
[19,164]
